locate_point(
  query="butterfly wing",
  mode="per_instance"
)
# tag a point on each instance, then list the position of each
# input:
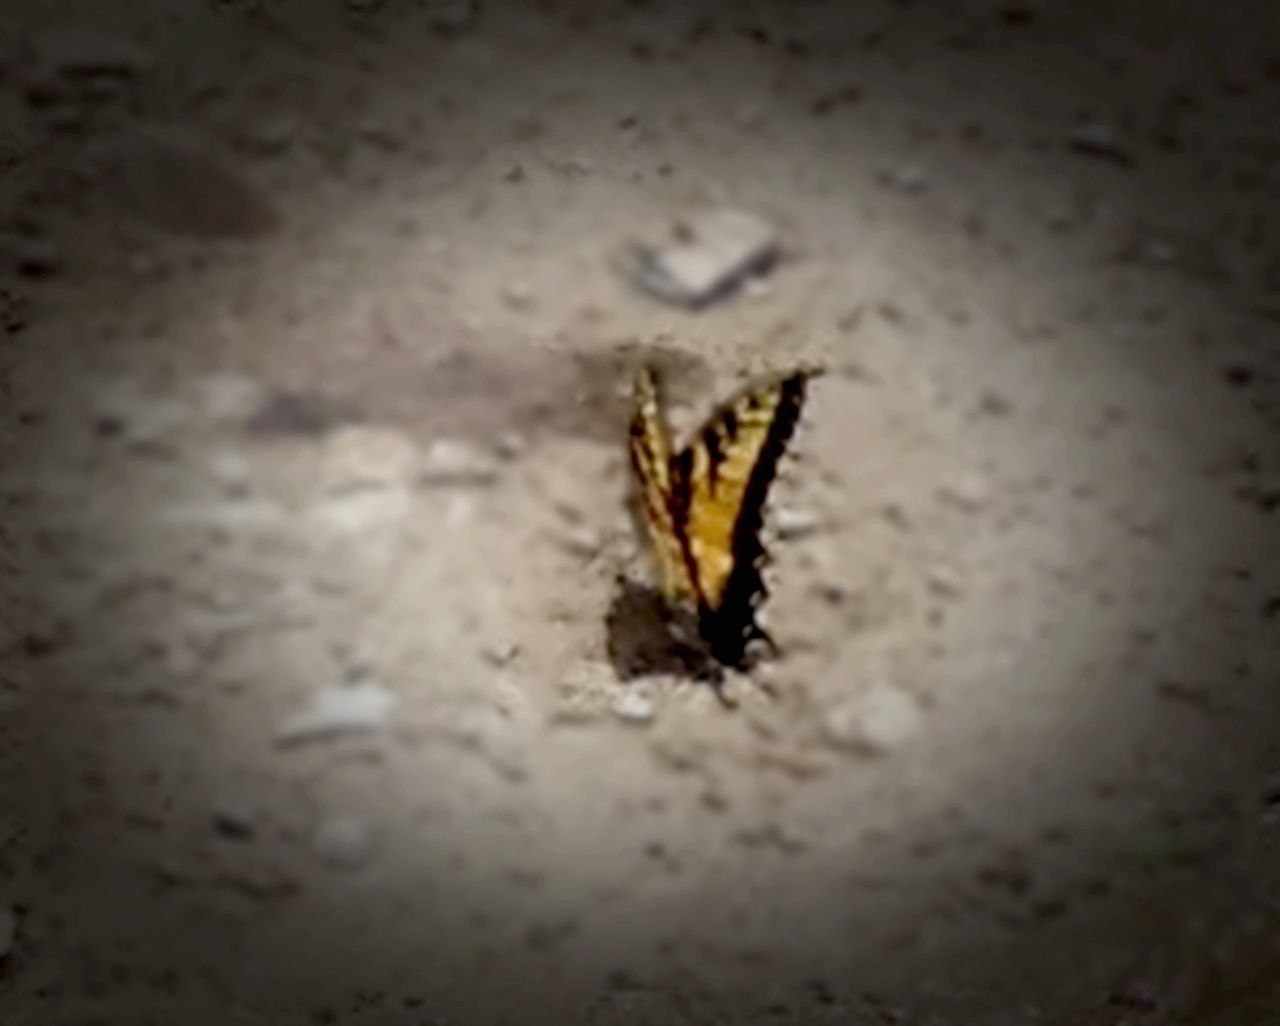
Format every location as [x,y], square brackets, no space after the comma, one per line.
[719,484]
[650,446]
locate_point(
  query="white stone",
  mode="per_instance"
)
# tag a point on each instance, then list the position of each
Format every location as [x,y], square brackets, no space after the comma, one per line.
[363,456]
[633,706]
[713,251]
[360,707]
[451,461]
[875,723]
[792,523]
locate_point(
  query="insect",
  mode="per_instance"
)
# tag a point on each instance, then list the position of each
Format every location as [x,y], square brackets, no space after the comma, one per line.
[703,505]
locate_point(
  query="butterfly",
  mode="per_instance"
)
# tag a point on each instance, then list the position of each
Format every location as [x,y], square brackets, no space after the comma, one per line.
[703,505]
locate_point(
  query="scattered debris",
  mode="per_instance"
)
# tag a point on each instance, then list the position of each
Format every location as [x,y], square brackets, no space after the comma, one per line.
[711,255]
[344,842]
[875,723]
[356,708]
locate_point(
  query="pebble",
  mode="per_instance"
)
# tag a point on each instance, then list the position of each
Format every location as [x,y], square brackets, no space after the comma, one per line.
[8,930]
[38,258]
[876,723]
[633,706]
[793,524]
[228,397]
[451,461]
[518,295]
[77,51]
[357,708]
[344,842]
[456,17]
[359,456]
[230,469]
[969,492]
[944,582]
[233,819]
[1098,139]
[580,540]
[271,137]
[713,252]
[909,179]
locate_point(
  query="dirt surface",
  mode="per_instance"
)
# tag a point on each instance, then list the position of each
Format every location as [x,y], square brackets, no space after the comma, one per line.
[316,354]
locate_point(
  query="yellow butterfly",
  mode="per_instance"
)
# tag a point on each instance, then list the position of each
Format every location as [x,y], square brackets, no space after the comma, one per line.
[703,505]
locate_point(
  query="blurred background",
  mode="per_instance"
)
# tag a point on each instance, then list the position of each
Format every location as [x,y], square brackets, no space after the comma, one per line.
[320,698]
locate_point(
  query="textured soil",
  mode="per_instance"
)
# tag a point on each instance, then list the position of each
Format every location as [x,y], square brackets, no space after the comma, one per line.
[315,365]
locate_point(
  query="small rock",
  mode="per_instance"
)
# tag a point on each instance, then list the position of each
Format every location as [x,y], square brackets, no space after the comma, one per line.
[882,720]
[456,17]
[944,582]
[230,469]
[500,653]
[633,706]
[518,295]
[1096,139]
[233,819]
[451,461]
[121,410]
[360,707]
[359,456]
[910,178]
[511,445]
[792,524]
[38,258]
[271,137]
[580,540]
[307,414]
[86,52]
[8,930]
[712,253]
[344,842]
[969,492]
[229,397]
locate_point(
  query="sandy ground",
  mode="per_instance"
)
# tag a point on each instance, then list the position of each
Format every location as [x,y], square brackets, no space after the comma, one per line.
[316,351]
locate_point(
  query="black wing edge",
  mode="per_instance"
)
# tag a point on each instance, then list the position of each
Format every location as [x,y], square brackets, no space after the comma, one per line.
[732,626]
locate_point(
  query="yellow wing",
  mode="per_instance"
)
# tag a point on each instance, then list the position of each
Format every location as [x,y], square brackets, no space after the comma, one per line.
[651,459]
[719,484]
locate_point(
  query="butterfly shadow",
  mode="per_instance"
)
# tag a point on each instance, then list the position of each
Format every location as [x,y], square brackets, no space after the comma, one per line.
[643,637]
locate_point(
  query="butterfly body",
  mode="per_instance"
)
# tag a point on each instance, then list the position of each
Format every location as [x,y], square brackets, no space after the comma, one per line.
[703,505]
